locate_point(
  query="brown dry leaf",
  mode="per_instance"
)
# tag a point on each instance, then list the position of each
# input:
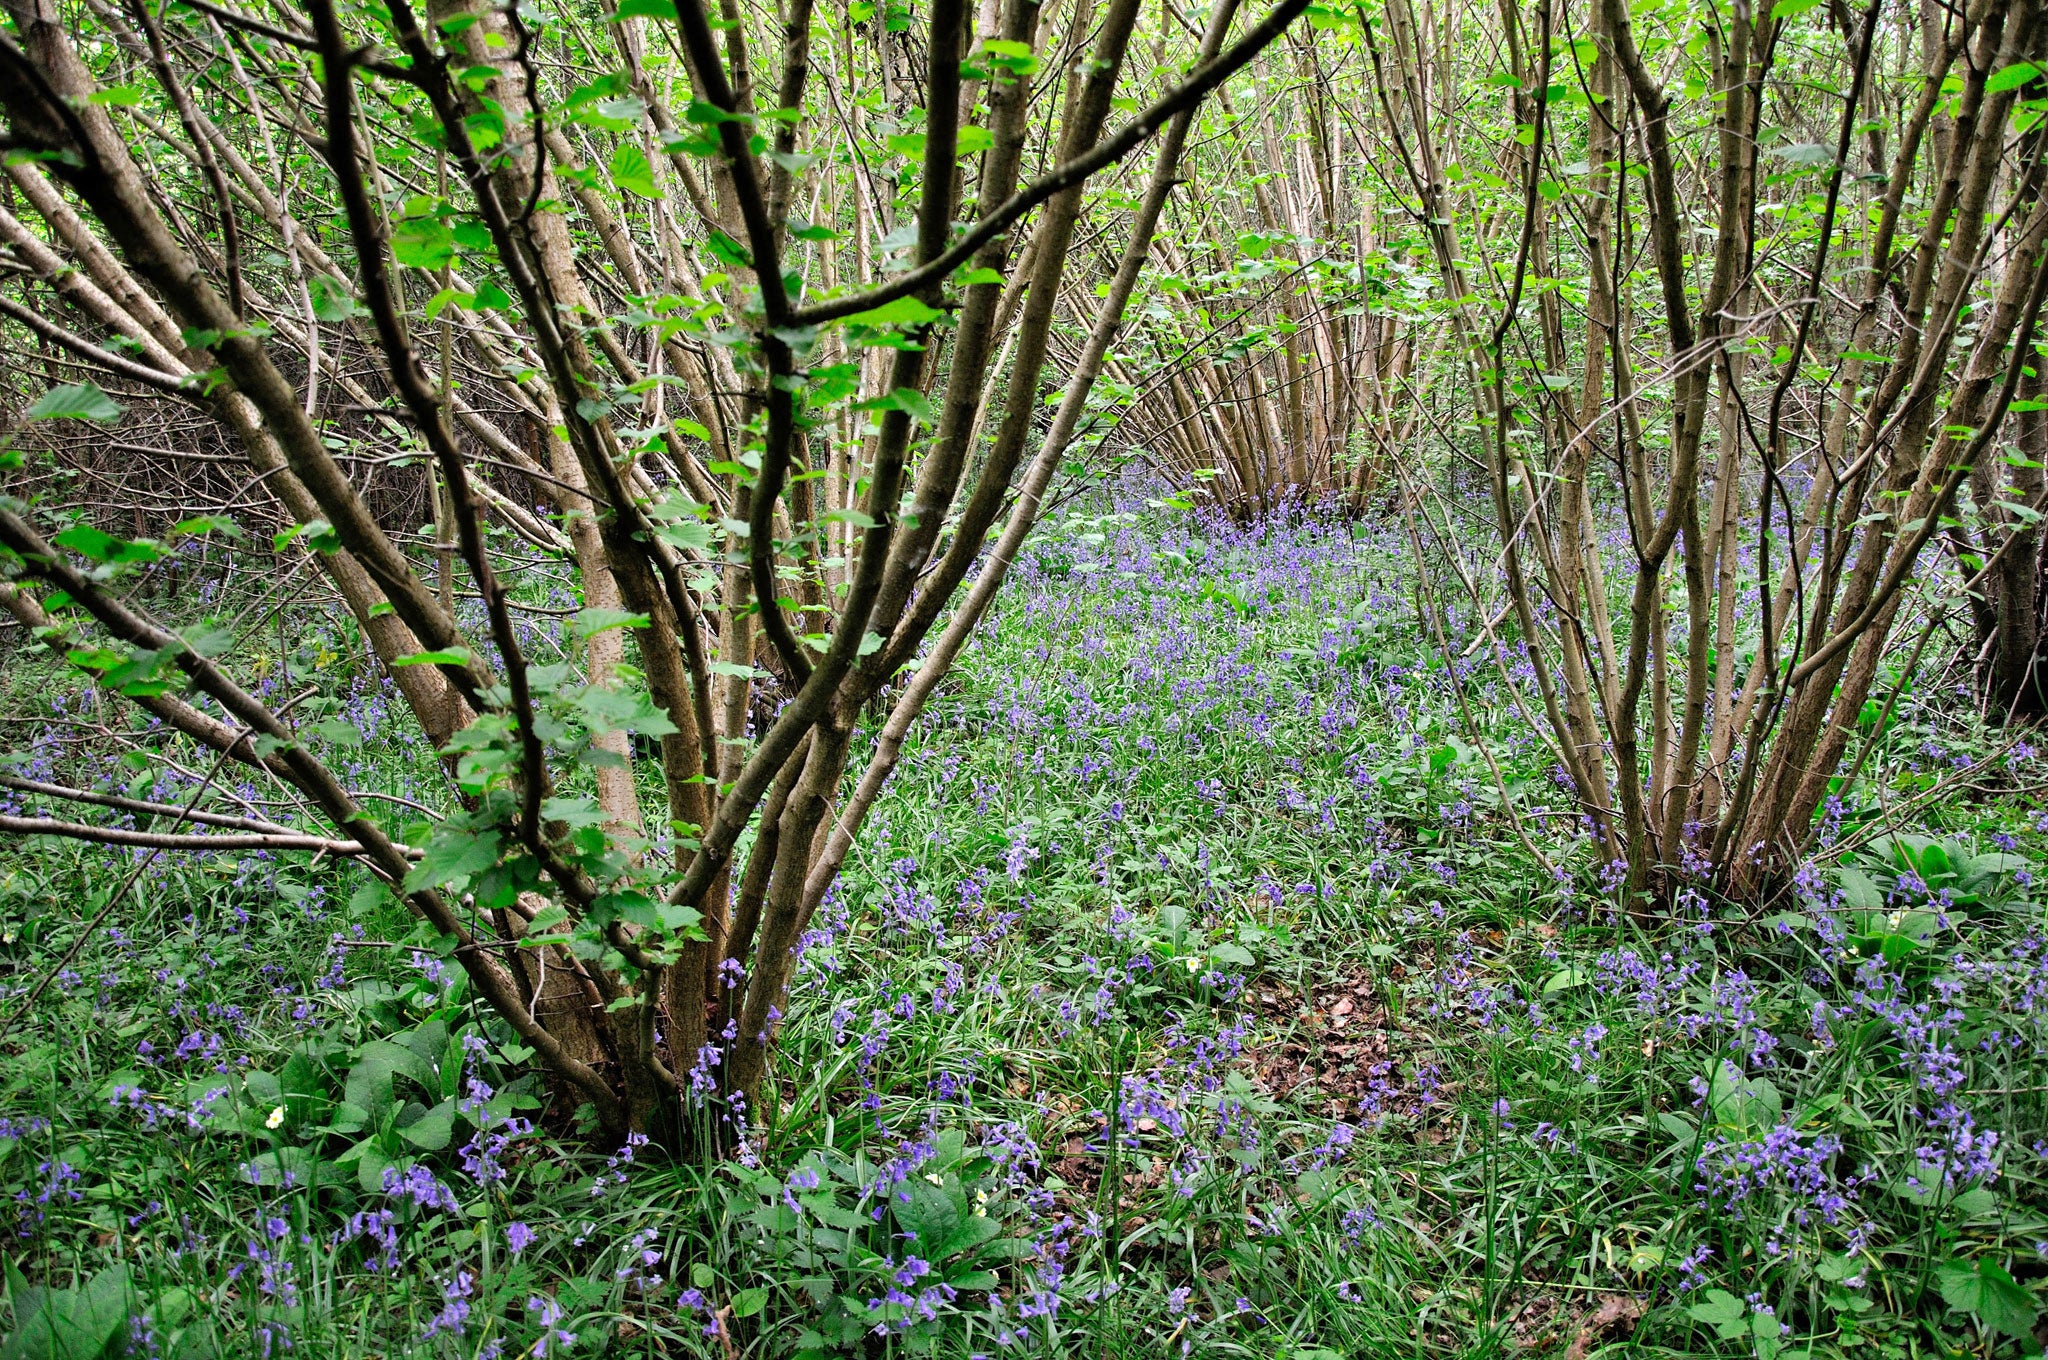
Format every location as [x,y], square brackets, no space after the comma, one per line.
[1615,1312]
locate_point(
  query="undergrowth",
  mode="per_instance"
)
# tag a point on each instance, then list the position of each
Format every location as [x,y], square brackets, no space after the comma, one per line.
[1191,992]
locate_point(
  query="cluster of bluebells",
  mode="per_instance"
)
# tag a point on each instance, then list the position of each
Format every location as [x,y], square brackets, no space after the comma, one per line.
[1781,1168]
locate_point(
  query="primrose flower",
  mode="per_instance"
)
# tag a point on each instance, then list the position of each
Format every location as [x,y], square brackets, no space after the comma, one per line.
[276,1119]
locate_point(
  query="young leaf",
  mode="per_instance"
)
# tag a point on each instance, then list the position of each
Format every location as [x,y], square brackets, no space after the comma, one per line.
[631,172]
[423,243]
[332,300]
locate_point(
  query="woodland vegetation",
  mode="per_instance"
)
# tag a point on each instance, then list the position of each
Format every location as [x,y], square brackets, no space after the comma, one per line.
[1045,677]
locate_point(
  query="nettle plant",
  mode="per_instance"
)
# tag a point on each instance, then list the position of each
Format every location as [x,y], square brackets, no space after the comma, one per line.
[754,309]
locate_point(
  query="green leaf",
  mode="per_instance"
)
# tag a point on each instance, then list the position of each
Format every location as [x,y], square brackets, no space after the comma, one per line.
[451,656]
[1722,1311]
[932,1214]
[687,534]
[904,311]
[727,251]
[75,401]
[339,732]
[607,710]
[454,856]
[903,399]
[332,300]
[447,297]
[116,96]
[1574,976]
[646,9]
[2011,78]
[631,172]
[295,1166]
[748,1302]
[423,243]
[1751,1104]
[433,1130]
[89,542]
[71,1324]
[1859,891]
[974,276]
[370,1079]
[201,525]
[590,622]
[1807,155]
[1988,1291]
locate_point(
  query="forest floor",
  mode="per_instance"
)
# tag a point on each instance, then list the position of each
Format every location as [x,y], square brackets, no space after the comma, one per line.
[1190,993]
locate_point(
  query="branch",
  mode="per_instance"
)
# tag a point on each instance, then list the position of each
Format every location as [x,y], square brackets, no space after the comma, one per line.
[91,353]
[1065,177]
[143,805]
[165,840]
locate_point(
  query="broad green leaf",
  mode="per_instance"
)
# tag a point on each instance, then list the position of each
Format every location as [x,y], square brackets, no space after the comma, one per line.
[2011,78]
[687,534]
[89,542]
[423,243]
[903,311]
[907,399]
[1859,891]
[1806,155]
[75,401]
[433,1130]
[1988,1291]
[454,856]
[606,710]
[631,172]
[332,300]
[339,732]
[1723,1312]
[932,1214]
[590,622]
[379,1063]
[73,1324]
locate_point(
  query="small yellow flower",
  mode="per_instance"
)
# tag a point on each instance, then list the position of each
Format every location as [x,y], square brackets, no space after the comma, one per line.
[276,1119]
